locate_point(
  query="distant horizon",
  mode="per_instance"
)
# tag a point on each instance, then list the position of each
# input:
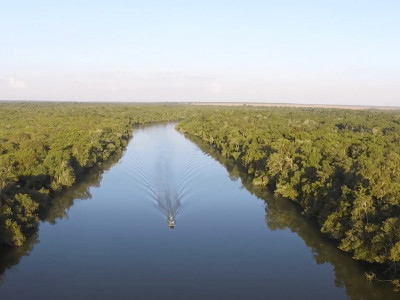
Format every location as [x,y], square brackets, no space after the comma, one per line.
[223,103]
[302,52]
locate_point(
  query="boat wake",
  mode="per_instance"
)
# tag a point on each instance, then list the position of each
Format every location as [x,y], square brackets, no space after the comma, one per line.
[165,173]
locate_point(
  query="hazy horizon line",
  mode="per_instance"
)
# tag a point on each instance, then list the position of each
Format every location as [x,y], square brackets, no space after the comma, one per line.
[223,103]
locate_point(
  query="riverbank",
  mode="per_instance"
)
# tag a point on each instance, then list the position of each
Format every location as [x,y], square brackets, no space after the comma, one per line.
[338,166]
[46,147]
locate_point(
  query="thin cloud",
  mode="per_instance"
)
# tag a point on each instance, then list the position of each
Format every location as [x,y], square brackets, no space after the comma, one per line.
[15,83]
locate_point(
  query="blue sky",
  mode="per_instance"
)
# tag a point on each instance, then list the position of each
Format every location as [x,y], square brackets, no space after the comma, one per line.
[328,52]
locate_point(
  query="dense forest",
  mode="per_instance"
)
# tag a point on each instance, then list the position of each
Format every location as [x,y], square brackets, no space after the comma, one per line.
[46,147]
[57,208]
[341,167]
[282,214]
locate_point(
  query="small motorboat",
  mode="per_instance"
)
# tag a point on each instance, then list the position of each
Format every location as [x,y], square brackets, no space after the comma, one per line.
[171,223]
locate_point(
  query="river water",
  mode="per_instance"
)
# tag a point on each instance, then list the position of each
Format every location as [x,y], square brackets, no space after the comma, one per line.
[175,220]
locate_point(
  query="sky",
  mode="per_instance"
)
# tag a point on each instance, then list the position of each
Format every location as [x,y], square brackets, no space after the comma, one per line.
[286,51]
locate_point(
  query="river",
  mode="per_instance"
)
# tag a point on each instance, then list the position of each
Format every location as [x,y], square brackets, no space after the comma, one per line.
[172,219]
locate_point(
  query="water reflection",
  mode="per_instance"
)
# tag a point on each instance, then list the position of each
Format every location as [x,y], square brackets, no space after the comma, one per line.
[167,173]
[55,210]
[169,204]
[110,247]
[281,214]
[167,196]
[9,257]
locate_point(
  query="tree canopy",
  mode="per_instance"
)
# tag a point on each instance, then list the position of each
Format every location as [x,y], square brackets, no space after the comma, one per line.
[46,147]
[341,167]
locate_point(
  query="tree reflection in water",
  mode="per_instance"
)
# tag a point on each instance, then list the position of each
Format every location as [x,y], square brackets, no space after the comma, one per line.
[54,210]
[281,214]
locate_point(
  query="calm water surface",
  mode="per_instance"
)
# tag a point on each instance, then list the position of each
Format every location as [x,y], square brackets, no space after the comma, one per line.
[115,241]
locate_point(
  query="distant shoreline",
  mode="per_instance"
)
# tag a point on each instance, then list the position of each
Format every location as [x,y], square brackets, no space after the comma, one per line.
[264,104]
[339,106]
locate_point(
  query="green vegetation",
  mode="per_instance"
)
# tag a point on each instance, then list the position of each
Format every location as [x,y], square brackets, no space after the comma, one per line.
[341,167]
[281,214]
[56,209]
[46,147]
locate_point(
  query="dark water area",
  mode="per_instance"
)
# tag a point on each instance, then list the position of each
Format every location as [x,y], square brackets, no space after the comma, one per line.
[175,220]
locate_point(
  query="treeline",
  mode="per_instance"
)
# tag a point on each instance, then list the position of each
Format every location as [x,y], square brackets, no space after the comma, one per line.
[342,167]
[281,214]
[46,147]
[57,208]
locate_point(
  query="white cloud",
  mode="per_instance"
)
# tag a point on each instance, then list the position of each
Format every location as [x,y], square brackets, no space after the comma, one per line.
[15,83]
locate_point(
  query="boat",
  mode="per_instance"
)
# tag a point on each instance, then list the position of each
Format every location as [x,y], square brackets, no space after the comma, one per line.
[171,223]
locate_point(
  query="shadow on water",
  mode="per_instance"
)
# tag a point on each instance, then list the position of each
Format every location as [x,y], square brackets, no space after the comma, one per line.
[56,209]
[281,214]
